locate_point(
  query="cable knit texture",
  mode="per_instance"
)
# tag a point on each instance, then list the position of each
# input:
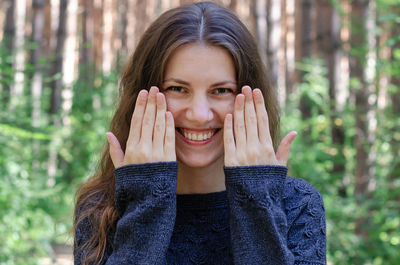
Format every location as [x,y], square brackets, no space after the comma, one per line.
[263,217]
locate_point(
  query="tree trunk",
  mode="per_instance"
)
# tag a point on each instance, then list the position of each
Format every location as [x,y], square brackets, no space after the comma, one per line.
[20,57]
[259,14]
[274,39]
[8,43]
[86,63]
[233,5]
[98,34]
[329,46]
[47,31]
[56,85]
[36,77]
[303,47]
[123,8]
[289,46]
[141,19]
[394,174]
[361,87]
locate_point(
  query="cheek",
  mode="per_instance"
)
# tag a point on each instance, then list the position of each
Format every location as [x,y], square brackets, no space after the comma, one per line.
[173,105]
[226,108]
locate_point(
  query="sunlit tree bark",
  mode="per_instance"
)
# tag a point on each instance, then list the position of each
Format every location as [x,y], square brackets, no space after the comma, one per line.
[289,46]
[20,56]
[259,14]
[274,39]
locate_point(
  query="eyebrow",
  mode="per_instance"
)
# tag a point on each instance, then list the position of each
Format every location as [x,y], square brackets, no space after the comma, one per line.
[180,81]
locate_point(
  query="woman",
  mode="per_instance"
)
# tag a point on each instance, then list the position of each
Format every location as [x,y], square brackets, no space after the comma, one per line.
[197,179]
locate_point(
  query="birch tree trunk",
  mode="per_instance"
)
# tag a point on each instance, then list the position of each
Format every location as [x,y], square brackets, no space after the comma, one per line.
[36,53]
[36,80]
[259,12]
[274,39]
[19,62]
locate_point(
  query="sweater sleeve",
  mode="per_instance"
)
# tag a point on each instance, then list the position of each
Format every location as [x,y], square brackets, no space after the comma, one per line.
[274,219]
[145,198]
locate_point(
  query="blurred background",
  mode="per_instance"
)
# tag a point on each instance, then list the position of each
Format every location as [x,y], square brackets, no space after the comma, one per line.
[335,65]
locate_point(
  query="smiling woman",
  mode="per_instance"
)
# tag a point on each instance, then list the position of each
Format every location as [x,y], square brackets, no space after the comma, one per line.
[206,78]
[194,173]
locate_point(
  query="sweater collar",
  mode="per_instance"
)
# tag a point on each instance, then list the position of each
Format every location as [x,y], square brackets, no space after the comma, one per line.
[202,201]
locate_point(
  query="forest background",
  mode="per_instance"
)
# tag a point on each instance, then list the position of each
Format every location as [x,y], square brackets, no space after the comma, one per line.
[335,65]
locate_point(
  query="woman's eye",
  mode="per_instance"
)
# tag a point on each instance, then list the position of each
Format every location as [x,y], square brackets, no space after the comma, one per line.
[223,90]
[176,88]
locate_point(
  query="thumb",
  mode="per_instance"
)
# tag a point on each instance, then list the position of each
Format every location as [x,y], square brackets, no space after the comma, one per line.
[282,154]
[116,153]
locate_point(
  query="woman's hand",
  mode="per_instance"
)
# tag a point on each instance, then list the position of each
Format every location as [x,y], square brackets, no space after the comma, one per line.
[151,135]
[248,141]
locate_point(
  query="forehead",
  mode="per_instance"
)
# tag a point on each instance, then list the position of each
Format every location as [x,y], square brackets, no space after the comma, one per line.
[201,61]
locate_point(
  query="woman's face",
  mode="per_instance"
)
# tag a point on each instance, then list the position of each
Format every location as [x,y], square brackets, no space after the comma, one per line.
[200,88]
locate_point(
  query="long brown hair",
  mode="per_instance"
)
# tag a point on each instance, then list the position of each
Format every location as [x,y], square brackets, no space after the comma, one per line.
[203,22]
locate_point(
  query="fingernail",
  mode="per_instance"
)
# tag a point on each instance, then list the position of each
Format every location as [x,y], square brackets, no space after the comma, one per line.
[154,89]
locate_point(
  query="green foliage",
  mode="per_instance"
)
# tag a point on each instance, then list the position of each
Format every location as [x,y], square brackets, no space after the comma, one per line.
[36,198]
[313,156]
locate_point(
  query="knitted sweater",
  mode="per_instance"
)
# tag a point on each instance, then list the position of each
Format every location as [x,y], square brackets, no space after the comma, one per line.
[263,217]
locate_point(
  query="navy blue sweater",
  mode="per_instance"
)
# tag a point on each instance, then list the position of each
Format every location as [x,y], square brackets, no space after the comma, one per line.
[263,217]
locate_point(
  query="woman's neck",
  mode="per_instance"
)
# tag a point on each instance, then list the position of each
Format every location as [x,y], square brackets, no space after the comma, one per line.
[201,180]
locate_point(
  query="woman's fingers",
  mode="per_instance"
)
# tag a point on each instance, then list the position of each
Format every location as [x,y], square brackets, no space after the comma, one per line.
[159,128]
[250,142]
[137,118]
[152,132]
[149,118]
[262,117]
[229,142]
[282,154]
[250,121]
[116,153]
[240,128]
[169,139]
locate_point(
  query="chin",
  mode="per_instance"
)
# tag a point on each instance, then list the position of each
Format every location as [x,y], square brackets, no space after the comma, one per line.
[198,162]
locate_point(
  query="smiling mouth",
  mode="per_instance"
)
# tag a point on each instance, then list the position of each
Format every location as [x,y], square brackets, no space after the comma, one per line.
[197,135]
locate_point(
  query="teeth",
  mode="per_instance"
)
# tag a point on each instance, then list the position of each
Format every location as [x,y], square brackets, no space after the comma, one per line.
[197,136]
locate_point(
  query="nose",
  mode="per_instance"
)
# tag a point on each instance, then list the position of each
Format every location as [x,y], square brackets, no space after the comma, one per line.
[199,110]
